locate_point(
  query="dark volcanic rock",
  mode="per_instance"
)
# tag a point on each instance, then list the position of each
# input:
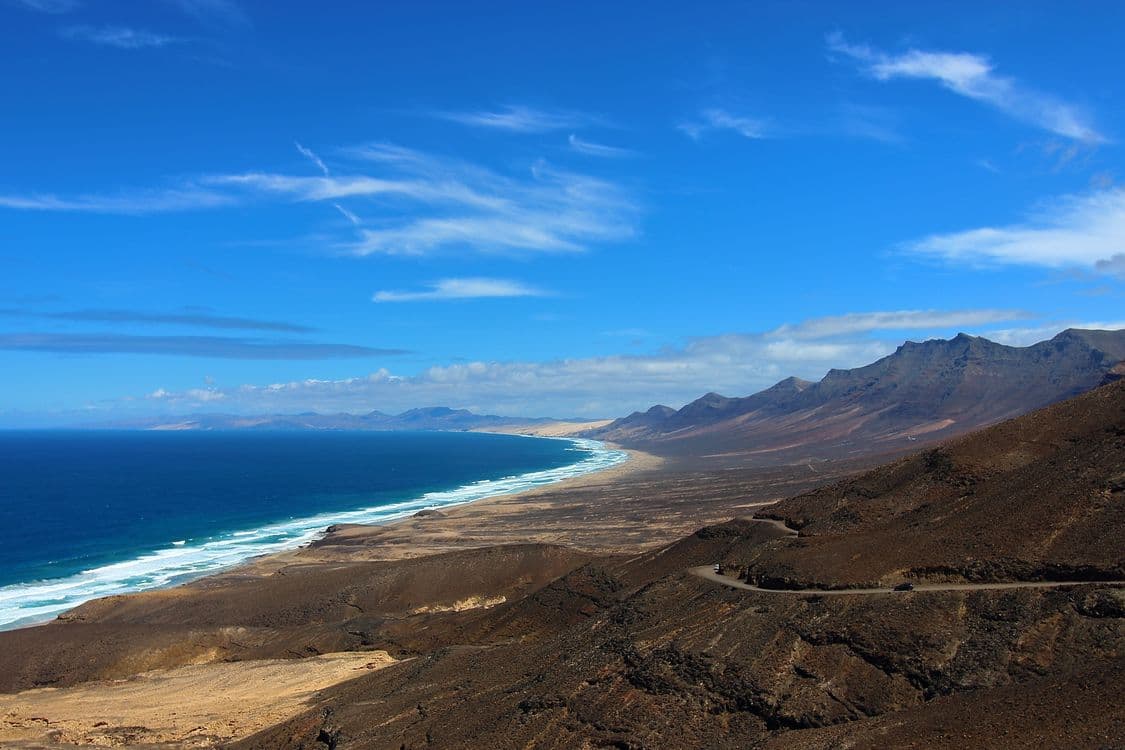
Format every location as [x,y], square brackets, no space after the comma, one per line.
[1030,499]
[922,392]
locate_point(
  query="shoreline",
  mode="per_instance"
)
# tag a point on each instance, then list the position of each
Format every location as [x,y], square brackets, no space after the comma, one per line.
[169,578]
[337,543]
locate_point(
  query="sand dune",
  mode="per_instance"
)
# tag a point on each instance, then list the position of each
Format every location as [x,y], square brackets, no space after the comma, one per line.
[196,706]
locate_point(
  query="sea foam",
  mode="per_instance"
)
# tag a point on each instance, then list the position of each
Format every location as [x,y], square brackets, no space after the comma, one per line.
[26,603]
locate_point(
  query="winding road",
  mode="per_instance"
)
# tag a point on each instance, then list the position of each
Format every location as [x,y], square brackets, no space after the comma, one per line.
[707,572]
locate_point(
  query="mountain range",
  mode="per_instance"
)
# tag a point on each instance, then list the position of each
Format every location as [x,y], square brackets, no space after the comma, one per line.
[428,418]
[923,392]
[805,638]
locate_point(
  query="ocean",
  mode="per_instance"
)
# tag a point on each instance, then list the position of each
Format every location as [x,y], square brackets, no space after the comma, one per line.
[90,514]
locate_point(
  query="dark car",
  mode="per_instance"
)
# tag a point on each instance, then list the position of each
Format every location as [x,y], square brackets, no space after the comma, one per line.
[904,587]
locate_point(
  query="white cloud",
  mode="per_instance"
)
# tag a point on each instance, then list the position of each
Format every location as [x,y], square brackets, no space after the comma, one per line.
[309,154]
[720,119]
[413,204]
[355,220]
[193,395]
[521,119]
[553,211]
[974,77]
[187,198]
[736,364]
[590,148]
[1025,336]
[459,289]
[896,320]
[205,395]
[121,37]
[1078,230]
[302,188]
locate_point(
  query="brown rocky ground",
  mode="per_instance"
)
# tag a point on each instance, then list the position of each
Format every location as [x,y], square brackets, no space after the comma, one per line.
[619,646]
[1038,497]
[629,655]
[635,653]
[227,701]
[298,611]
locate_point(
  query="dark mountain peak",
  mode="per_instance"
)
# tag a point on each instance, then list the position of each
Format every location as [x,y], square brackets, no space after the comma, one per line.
[1110,343]
[660,410]
[924,390]
[791,384]
[960,340]
[1070,334]
[706,404]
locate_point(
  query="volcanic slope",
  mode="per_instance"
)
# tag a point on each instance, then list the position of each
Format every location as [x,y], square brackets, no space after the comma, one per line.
[923,392]
[639,653]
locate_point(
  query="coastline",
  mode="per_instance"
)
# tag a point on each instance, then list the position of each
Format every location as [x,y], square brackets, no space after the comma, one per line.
[359,592]
[454,527]
[101,583]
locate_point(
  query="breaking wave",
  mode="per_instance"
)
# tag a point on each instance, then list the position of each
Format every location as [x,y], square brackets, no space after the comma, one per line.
[27,603]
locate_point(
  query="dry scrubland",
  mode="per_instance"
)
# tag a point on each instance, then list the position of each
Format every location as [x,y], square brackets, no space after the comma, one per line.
[568,618]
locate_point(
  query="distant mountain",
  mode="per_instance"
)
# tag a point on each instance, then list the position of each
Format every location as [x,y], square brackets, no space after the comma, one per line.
[430,418]
[923,391]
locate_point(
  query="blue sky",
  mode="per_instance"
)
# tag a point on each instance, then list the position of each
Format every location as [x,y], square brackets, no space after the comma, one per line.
[537,209]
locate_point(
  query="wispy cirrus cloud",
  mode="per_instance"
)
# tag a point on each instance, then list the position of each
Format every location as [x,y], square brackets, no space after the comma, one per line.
[328,188]
[736,364]
[413,203]
[194,395]
[521,119]
[311,155]
[973,76]
[146,201]
[589,148]
[215,347]
[462,289]
[553,211]
[121,37]
[194,319]
[461,205]
[895,320]
[1076,230]
[352,218]
[720,119]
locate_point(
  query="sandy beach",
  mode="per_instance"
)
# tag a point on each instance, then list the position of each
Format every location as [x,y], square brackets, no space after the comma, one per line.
[227,701]
[156,666]
[535,515]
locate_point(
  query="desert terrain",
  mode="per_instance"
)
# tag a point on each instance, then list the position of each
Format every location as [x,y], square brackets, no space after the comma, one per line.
[588,615]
